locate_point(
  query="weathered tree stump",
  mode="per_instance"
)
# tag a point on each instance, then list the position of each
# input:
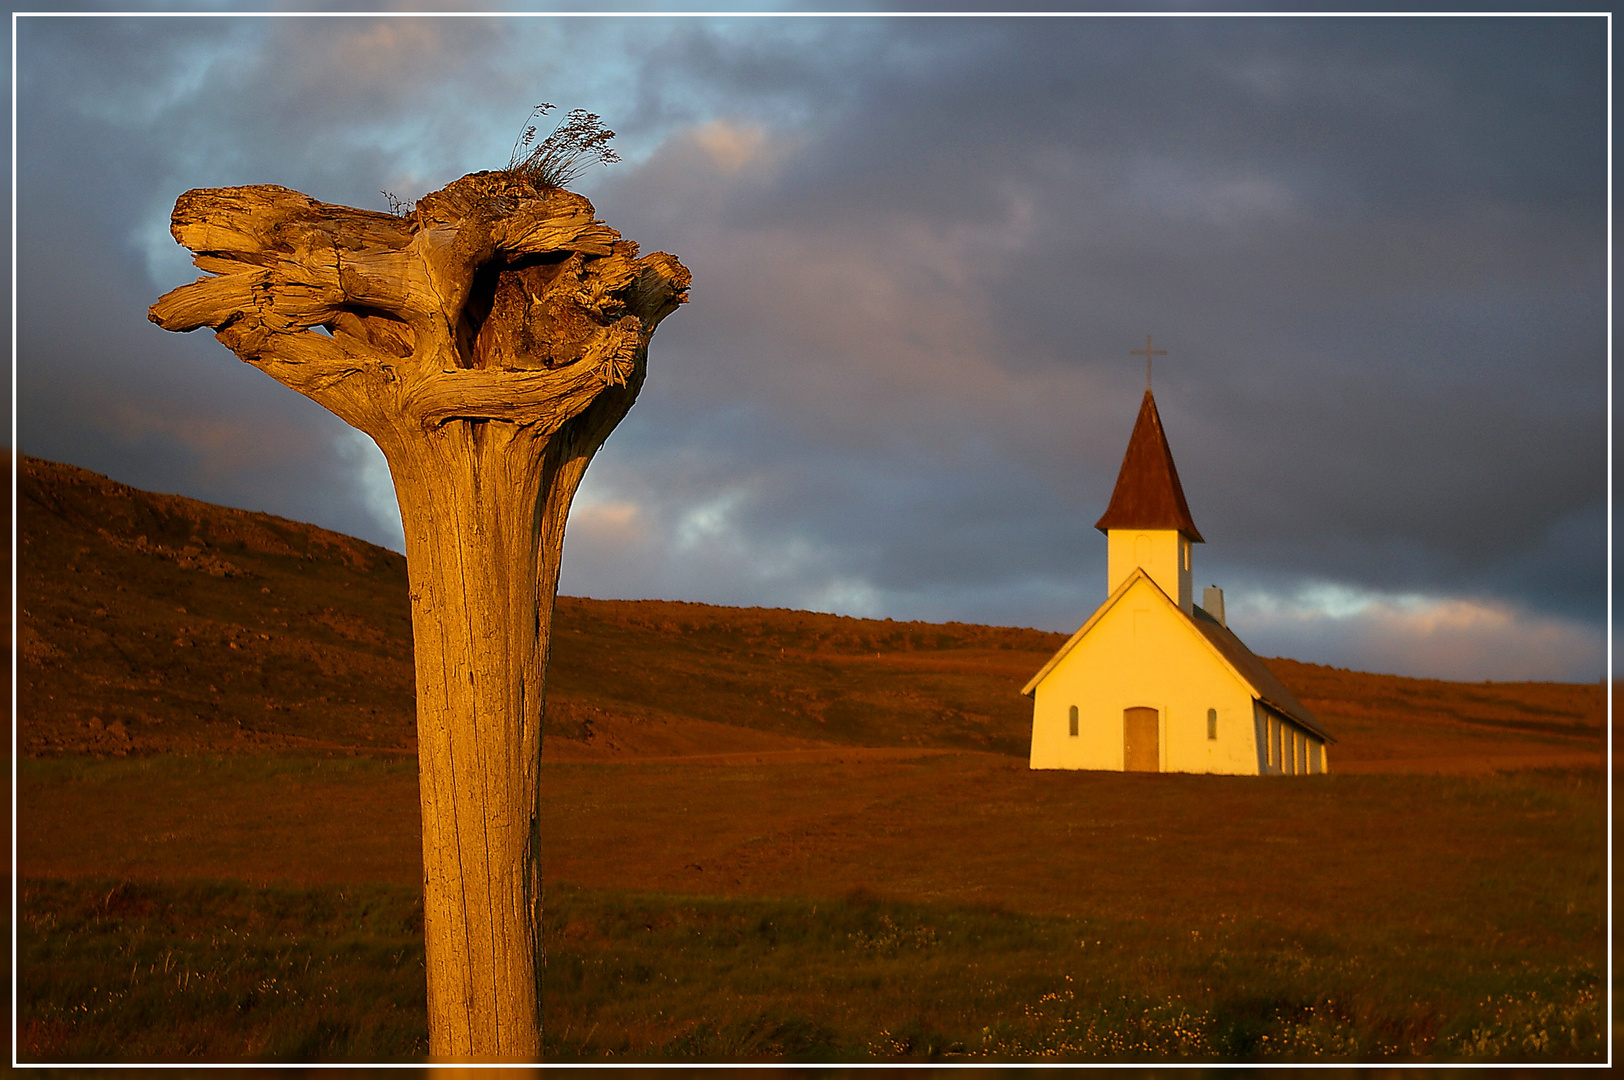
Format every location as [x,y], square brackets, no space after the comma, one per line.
[488,342]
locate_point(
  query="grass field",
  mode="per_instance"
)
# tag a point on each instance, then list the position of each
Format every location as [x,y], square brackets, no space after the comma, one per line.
[774,835]
[946,907]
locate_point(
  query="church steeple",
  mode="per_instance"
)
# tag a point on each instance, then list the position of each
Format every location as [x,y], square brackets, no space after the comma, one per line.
[1147,522]
[1148,494]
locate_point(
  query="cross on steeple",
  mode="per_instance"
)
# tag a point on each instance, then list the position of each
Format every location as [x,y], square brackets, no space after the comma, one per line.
[1147,352]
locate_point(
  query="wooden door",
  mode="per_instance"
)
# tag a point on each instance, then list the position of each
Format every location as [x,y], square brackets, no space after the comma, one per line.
[1141,743]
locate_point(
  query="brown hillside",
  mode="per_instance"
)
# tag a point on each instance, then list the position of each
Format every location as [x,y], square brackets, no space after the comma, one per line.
[1392,723]
[154,623]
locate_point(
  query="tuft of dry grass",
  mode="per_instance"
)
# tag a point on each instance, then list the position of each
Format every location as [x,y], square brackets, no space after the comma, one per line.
[576,142]
[579,140]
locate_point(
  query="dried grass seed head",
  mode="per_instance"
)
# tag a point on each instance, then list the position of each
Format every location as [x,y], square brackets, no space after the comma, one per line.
[578,141]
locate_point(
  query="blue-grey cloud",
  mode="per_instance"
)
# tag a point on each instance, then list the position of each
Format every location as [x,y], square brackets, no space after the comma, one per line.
[922,248]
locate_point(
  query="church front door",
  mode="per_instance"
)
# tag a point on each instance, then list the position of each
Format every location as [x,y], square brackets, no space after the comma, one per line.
[1141,749]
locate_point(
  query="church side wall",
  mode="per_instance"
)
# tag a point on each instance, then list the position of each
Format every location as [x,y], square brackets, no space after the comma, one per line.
[1142,653]
[1285,748]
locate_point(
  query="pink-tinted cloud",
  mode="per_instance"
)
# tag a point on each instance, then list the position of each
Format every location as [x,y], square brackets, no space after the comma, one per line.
[1426,636]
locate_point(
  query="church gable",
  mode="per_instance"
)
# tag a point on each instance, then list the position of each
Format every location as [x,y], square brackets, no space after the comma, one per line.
[1140,677]
[1144,629]
[1141,602]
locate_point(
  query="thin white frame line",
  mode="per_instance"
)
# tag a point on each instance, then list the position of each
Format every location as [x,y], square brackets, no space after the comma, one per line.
[1182,1065]
[700,14]
[1608,765]
[1297,1066]
[1606,16]
[15,625]
[784,1065]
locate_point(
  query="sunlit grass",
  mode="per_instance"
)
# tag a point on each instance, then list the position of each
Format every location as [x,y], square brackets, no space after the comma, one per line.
[217,972]
[1361,918]
[206,971]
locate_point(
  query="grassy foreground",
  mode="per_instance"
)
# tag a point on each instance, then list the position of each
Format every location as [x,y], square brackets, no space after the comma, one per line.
[219,972]
[944,908]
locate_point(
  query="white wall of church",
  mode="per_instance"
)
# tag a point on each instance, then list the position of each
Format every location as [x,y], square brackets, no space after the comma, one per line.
[1164,554]
[1141,653]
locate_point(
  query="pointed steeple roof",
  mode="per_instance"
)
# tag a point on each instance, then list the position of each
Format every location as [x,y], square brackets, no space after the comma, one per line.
[1148,494]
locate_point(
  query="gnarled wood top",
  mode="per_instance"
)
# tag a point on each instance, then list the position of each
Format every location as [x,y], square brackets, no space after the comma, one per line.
[492,300]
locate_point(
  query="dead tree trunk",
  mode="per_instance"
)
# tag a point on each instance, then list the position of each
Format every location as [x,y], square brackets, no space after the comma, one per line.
[488,343]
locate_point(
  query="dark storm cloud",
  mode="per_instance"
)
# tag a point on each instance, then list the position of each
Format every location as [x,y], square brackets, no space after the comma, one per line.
[1377,253]
[922,249]
[116,118]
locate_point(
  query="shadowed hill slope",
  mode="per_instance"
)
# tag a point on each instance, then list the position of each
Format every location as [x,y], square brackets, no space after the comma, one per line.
[154,623]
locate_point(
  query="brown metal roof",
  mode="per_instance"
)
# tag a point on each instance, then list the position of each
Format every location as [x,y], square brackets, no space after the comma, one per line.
[1270,690]
[1148,494]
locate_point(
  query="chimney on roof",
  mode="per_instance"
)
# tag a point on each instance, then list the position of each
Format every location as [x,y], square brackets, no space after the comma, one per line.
[1212,602]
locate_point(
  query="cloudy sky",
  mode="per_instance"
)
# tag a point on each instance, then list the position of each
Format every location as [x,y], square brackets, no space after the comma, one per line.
[1374,249]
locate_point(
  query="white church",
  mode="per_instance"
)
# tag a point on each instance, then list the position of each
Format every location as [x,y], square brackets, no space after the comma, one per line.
[1151,682]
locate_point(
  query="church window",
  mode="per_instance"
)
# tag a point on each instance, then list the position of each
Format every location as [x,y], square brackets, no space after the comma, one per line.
[1074,721]
[1274,743]
[1184,546]
[1212,723]
[1315,762]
